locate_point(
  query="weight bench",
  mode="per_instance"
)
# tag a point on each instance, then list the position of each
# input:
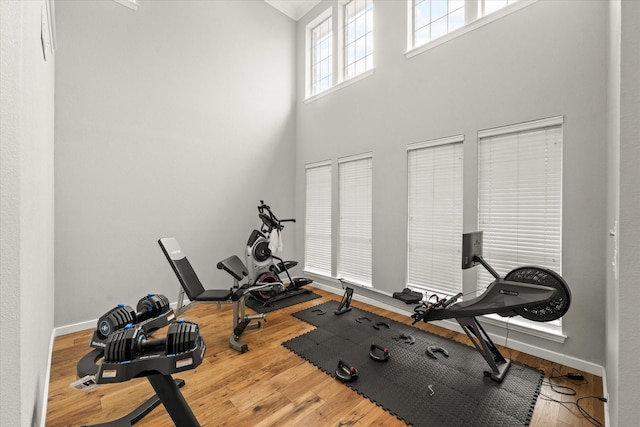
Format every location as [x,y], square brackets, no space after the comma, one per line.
[190,284]
[197,294]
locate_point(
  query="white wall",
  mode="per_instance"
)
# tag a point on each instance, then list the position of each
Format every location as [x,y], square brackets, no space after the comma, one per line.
[173,120]
[26,212]
[547,59]
[624,316]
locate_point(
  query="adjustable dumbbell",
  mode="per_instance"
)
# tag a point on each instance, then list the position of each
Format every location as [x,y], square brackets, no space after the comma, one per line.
[131,342]
[122,315]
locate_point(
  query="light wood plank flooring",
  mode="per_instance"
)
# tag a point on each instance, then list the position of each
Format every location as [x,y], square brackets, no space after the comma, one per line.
[269,385]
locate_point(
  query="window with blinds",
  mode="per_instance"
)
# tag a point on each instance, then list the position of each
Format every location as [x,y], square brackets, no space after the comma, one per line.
[435,215]
[355,195]
[317,242]
[520,196]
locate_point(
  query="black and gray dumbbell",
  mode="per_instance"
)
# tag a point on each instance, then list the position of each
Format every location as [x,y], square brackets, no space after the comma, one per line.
[131,342]
[118,317]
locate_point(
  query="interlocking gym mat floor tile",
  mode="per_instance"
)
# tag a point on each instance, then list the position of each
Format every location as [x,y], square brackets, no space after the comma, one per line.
[447,391]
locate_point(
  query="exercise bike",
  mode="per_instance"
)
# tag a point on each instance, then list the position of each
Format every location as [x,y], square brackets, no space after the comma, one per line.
[264,267]
[535,293]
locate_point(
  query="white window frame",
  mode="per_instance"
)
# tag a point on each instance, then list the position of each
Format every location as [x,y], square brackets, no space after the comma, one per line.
[355,239]
[435,244]
[473,20]
[549,330]
[318,219]
[310,49]
[366,38]
[336,13]
[454,8]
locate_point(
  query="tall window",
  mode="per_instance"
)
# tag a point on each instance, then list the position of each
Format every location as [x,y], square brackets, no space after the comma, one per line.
[435,215]
[317,242]
[355,187]
[520,196]
[358,37]
[322,56]
[435,18]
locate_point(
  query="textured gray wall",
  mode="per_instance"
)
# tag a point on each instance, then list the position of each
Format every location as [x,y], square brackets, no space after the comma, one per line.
[26,212]
[174,120]
[547,59]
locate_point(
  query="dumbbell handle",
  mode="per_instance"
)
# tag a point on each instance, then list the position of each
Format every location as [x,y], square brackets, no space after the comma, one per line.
[154,343]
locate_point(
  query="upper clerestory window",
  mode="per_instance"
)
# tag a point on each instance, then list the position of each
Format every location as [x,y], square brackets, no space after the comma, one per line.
[435,18]
[322,56]
[339,45]
[358,37]
[432,20]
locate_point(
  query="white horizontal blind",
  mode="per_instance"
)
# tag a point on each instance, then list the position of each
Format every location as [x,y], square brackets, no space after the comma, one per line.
[317,240]
[520,197]
[354,256]
[435,217]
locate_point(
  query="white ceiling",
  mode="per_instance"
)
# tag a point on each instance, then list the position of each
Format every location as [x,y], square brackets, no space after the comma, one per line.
[294,9]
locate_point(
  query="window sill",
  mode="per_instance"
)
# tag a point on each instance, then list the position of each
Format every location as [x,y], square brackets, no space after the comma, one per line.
[478,23]
[541,330]
[334,281]
[340,86]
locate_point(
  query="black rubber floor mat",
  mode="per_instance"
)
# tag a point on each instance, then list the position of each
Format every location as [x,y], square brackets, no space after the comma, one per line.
[422,391]
[268,306]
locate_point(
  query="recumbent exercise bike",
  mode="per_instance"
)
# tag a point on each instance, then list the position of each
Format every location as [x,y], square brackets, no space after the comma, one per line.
[264,267]
[535,293]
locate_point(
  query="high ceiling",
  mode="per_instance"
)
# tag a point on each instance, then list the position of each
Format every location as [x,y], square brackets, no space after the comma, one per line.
[294,9]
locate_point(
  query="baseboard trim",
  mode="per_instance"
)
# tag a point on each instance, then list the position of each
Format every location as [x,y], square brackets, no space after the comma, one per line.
[89,324]
[553,356]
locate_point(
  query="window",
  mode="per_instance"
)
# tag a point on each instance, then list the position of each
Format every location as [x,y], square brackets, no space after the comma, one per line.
[435,215]
[358,37]
[520,196]
[322,56]
[442,20]
[355,195]
[435,18]
[317,245]
[339,45]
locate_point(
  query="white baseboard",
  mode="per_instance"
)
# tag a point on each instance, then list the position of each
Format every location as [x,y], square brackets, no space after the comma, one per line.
[553,356]
[89,324]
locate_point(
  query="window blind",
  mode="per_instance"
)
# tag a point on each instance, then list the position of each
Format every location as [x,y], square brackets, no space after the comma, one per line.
[435,216]
[317,243]
[355,195]
[520,197]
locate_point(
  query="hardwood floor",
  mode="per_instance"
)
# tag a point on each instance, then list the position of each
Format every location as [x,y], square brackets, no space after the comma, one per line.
[269,385]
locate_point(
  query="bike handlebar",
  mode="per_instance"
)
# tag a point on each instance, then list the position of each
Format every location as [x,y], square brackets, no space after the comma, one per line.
[271,221]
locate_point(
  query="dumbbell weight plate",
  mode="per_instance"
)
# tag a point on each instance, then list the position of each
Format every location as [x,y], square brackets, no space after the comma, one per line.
[152,306]
[182,337]
[124,345]
[552,310]
[114,319]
